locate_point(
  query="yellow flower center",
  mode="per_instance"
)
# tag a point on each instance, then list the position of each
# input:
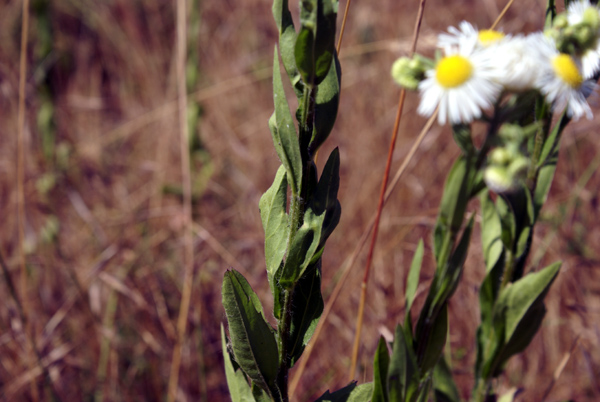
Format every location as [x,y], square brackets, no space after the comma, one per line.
[489,36]
[453,71]
[565,68]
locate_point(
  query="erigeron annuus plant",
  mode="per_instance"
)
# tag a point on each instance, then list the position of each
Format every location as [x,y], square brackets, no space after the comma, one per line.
[514,83]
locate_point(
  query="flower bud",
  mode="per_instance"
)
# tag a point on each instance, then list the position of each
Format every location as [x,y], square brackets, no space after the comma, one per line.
[408,72]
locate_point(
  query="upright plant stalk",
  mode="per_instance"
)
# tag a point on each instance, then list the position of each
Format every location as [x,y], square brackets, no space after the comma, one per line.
[296,227]
[380,204]
[188,260]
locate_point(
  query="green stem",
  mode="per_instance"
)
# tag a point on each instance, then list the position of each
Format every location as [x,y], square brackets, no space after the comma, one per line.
[481,391]
[284,360]
[540,136]
[509,267]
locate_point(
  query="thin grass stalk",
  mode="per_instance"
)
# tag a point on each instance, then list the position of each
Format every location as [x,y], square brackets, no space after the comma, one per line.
[349,263]
[502,13]
[386,174]
[188,256]
[343,27]
[21,186]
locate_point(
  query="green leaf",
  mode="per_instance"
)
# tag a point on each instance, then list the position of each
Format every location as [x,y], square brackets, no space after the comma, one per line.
[284,132]
[350,393]
[491,232]
[412,282]
[524,301]
[305,248]
[436,340]
[449,276]
[273,205]
[380,372]
[327,102]
[307,308]
[462,137]
[453,205]
[287,42]
[509,396]
[518,315]
[443,384]
[252,339]
[239,389]
[315,43]
[403,374]
[325,196]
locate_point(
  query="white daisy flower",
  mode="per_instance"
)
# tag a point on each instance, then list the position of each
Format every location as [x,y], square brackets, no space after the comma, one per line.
[484,38]
[561,80]
[577,13]
[519,59]
[463,82]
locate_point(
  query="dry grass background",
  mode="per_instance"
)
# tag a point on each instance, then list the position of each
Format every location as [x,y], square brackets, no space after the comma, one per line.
[103,207]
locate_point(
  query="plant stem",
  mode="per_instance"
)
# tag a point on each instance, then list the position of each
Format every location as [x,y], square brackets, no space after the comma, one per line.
[284,360]
[540,136]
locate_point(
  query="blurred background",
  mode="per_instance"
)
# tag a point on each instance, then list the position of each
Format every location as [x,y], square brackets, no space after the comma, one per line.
[103,195]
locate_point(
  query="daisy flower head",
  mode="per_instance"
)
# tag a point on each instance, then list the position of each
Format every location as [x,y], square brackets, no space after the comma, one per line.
[586,18]
[465,32]
[561,80]
[463,82]
[519,59]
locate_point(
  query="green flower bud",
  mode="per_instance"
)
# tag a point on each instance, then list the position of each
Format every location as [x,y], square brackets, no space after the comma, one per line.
[408,72]
[518,167]
[560,21]
[591,18]
[500,157]
[498,179]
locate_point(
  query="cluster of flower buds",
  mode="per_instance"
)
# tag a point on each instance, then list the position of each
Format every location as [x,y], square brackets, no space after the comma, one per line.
[478,67]
[507,165]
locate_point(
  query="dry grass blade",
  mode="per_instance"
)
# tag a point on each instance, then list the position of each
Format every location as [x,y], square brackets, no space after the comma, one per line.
[188,260]
[386,175]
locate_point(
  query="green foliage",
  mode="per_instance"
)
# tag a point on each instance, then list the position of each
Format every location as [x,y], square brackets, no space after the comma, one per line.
[252,338]
[295,231]
[315,44]
[350,393]
[444,388]
[239,389]
[380,372]
[516,317]
[284,132]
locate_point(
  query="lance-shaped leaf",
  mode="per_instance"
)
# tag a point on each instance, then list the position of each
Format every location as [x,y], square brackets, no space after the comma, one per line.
[443,384]
[403,374]
[491,232]
[493,254]
[457,191]
[412,282]
[287,42]
[524,308]
[381,363]
[350,393]
[518,315]
[307,308]
[325,196]
[326,105]
[304,249]
[252,339]
[273,205]
[284,132]
[239,389]
[446,278]
[315,43]
[431,346]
